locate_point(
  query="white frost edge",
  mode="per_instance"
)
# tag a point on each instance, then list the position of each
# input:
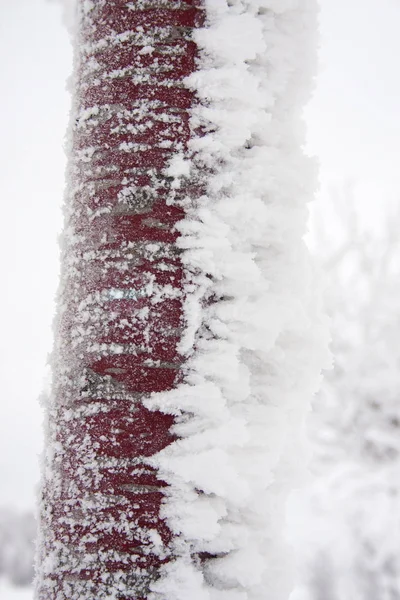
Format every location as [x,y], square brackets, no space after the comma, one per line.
[258,356]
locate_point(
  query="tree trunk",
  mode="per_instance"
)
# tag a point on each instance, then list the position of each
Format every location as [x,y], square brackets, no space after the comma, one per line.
[120,301]
[183,365]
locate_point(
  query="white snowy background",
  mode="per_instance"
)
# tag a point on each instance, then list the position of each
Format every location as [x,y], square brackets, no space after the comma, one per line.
[354,129]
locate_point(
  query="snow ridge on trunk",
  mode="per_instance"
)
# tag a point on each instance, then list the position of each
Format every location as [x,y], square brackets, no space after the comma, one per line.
[255,339]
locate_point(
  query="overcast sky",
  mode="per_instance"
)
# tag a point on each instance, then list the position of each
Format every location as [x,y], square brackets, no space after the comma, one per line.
[33,111]
[354,119]
[354,129]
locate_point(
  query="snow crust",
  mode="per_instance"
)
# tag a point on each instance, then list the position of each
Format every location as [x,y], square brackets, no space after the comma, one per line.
[255,340]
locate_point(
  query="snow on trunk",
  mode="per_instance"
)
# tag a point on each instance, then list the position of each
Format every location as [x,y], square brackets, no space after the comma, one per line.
[254,337]
[189,339]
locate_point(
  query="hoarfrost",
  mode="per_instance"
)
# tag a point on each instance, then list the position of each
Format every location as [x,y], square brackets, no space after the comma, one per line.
[255,339]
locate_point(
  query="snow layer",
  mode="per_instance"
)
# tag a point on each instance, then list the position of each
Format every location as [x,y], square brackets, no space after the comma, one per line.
[255,340]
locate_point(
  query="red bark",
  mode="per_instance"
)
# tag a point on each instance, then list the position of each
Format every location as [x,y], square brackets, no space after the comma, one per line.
[120,303]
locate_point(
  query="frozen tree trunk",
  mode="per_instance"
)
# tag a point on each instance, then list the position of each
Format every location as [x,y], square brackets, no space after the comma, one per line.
[188,336]
[120,302]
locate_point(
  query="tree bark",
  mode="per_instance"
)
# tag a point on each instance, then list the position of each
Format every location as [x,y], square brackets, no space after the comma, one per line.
[120,302]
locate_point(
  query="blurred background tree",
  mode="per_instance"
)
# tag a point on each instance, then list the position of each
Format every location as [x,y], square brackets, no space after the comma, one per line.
[349,521]
[17,533]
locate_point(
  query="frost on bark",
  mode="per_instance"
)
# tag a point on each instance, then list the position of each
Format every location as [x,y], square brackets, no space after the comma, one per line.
[188,338]
[120,302]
